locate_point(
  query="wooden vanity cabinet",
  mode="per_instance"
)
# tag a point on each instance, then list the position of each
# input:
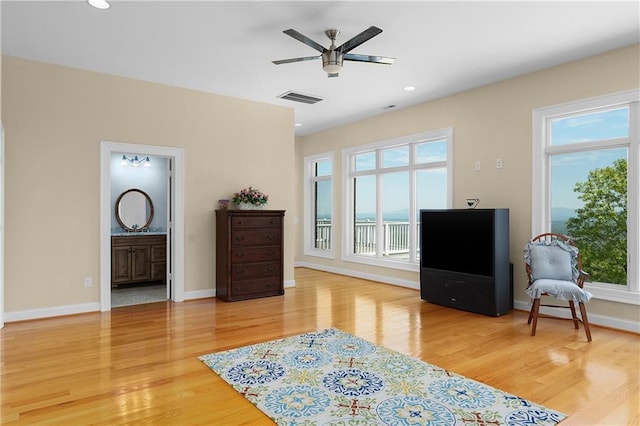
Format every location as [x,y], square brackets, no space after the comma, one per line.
[138,258]
[249,254]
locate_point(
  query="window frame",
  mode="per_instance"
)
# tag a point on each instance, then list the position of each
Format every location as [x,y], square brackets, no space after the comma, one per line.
[542,150]
[349,173]
[309,205]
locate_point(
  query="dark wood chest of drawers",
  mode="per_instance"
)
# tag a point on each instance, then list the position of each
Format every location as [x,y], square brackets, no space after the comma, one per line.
[249,254]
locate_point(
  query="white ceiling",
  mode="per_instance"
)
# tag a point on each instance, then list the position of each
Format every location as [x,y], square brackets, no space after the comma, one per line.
[227,47]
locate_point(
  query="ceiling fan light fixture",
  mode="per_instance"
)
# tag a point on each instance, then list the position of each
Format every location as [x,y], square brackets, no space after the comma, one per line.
[332,61]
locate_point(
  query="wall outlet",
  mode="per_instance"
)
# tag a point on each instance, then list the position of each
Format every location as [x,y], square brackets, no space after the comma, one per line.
[498,163]
[88,282]
[476,166]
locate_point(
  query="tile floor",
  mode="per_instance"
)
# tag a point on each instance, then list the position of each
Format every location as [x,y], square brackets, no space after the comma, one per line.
[128,295]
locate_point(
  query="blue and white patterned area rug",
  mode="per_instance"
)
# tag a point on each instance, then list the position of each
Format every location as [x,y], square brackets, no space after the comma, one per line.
[330,377]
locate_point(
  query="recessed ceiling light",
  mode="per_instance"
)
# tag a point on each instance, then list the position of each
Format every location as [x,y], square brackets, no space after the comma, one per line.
[410,88]
[99,4]
[298,124]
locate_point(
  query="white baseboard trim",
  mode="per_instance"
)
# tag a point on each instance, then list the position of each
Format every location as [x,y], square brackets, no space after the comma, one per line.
[372,277]
[203,294]
[595,319]
[84,308]
[199,294]
[54,311]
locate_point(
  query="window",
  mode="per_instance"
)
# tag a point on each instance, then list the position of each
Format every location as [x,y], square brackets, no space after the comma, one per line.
[586,185]
[385,186]
[318,207]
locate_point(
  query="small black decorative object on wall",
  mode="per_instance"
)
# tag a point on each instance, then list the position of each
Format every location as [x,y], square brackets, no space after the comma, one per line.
[464,259]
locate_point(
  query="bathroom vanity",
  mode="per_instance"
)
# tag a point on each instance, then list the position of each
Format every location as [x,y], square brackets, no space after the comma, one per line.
[137,258]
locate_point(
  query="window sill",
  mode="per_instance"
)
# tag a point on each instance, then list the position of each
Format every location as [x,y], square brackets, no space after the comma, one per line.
[382,262]
[613,295]
[327,254]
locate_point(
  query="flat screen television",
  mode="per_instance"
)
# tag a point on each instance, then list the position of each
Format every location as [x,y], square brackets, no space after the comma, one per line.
[458,240]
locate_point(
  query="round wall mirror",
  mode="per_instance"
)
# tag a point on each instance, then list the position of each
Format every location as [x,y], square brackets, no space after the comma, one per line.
[134,210]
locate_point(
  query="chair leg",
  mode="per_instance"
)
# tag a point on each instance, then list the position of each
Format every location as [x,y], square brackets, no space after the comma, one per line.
[574,317]
[531,312]
[534,315]
[585,321]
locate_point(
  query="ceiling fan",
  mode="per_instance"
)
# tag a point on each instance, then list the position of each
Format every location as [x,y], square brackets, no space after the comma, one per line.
[333,56]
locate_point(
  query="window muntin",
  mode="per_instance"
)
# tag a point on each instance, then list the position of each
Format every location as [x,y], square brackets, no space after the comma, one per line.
[384,183]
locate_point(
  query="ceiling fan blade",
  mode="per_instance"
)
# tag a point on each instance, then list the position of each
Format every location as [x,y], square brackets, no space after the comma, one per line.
[368,58]
[288,61]
[359,39]
[306,40]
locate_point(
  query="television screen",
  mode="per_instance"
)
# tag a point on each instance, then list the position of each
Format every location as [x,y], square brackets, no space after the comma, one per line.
[457,240]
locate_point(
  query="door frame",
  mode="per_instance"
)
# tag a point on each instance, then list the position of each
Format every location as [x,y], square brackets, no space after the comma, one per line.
[1,224]
[176,236]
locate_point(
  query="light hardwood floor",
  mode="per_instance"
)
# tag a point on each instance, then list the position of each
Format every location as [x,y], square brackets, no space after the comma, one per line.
[139,364]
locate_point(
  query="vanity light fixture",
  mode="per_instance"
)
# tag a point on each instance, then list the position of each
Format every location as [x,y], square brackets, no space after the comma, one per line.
[135,161]
[99,4]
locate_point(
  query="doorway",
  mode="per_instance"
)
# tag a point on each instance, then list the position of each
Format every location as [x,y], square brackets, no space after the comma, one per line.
[174,216]
[140,194]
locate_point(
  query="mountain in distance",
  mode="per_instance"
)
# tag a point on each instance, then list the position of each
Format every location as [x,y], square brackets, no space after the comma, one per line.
[401,215]
[562,213]
[559,217]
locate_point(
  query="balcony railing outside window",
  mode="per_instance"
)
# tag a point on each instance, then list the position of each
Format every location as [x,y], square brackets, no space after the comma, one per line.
[323,234]
[396,237]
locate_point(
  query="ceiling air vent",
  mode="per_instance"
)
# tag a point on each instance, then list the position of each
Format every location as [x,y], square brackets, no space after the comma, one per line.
[300,97]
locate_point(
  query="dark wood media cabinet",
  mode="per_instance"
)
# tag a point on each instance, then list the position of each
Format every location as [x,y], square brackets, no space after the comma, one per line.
[249,254]
[481,239]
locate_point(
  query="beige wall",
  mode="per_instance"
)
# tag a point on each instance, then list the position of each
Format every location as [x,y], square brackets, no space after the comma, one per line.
[55,119]
[488,123]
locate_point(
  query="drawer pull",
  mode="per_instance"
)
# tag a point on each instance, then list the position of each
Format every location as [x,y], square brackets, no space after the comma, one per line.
[239,238]
[240,254]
